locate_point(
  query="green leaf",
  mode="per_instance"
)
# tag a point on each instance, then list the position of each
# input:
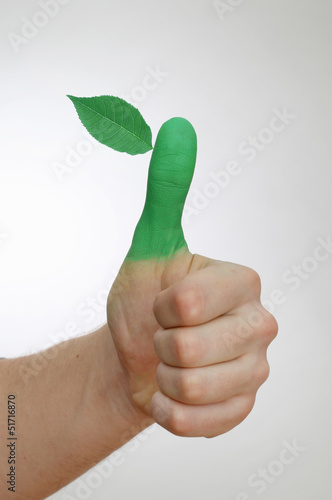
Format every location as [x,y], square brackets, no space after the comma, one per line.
[114,122]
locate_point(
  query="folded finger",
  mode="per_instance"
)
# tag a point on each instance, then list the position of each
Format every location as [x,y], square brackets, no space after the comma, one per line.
[205,294]
[215,383]
[222,339]
[207,420]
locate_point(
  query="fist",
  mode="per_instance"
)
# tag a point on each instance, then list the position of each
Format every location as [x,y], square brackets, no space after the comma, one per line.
[212,343]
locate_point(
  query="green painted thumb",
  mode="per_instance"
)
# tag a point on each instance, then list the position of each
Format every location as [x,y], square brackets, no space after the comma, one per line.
[159,233]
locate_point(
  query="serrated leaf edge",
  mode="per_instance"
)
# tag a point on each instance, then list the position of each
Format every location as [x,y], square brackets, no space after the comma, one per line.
[102,116]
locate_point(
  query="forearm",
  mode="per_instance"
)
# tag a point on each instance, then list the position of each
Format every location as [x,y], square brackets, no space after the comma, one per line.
[70,415]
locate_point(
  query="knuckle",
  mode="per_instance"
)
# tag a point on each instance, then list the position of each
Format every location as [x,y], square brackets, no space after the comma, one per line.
[188,304]
[261,372]
[186,347]
[190,388]
[255,282]
[252,281]
[271,327]
[265,326]
[178,422]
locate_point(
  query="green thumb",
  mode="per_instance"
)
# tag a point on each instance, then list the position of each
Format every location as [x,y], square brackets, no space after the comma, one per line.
[159,233]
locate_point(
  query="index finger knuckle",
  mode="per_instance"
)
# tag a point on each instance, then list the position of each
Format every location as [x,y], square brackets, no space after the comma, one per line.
[188,304]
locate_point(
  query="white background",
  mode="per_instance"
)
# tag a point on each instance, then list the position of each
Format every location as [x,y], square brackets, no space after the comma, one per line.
[62,238]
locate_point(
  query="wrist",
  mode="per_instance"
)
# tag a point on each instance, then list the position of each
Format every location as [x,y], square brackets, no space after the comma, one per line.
[114,393]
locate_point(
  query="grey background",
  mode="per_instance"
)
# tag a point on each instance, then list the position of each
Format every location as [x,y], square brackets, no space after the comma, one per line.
[62,238]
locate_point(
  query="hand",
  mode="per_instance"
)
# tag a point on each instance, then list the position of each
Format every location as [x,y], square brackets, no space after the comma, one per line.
[190,332]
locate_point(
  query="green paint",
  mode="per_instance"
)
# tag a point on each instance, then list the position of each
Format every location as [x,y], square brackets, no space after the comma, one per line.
[159,233]
[119,125]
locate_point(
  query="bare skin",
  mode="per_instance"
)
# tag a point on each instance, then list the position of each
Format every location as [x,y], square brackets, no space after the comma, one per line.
[197,357]
[181,348]
[184,346]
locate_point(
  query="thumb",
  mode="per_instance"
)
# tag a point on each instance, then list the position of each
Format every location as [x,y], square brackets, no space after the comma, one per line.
[159,233]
